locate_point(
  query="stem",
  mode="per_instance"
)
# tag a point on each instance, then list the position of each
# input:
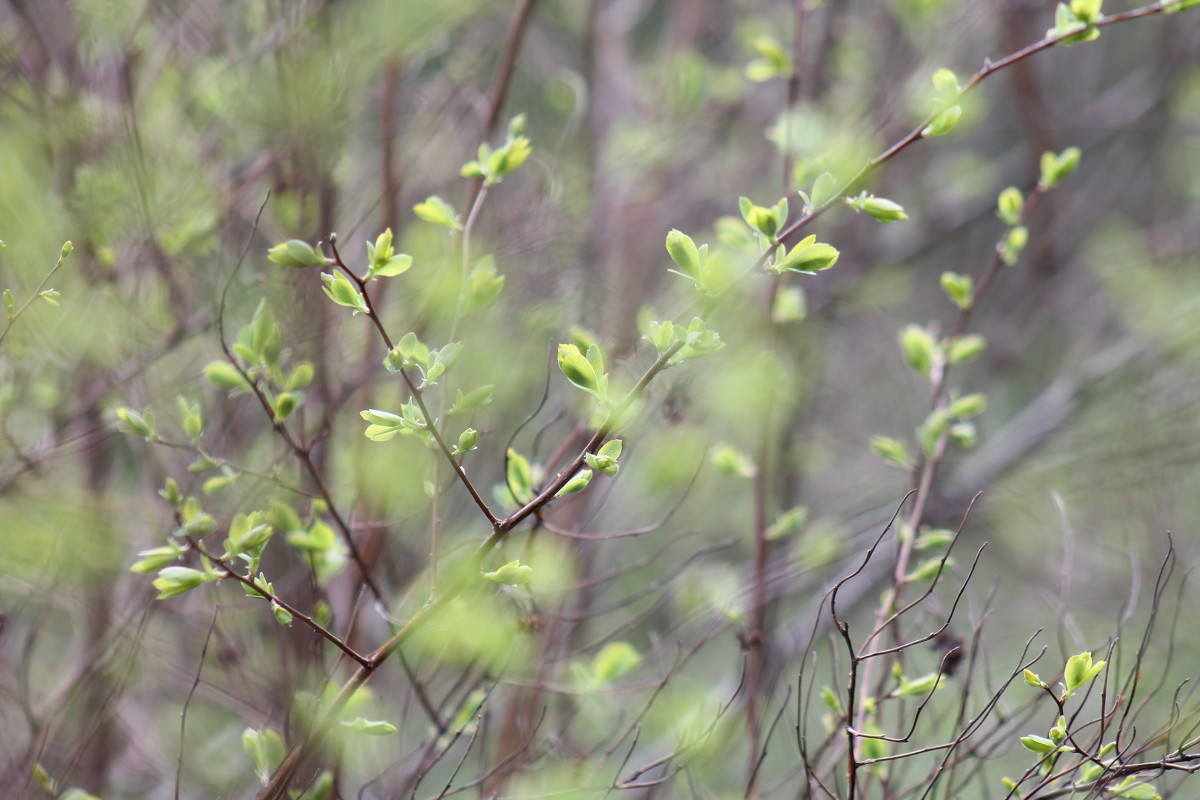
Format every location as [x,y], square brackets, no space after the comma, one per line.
[414,391]
[36,294]
[459,309]
[924,477]
[503,78]
[916,134]
[274,598]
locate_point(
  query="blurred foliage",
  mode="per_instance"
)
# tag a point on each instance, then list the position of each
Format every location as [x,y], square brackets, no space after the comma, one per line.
[174,143]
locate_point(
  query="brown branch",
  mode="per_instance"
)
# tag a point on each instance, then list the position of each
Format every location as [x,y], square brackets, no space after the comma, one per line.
[414,390]
[917,134]
[188,700]
[270,596]
[501,81]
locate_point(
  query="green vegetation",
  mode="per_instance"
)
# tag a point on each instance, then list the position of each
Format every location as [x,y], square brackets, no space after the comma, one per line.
[719,399]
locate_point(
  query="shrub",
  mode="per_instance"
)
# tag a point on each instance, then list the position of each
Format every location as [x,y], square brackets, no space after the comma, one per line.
[591,473]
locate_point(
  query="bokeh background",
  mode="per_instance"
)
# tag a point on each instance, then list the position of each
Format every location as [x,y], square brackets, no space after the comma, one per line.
[151,134]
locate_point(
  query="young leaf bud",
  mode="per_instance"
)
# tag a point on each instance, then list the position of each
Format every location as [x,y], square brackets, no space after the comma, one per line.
[296,253]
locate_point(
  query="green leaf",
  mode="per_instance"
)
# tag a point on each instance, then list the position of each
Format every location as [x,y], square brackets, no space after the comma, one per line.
[698,341]
[919,687]
[808,257]
[263,588]
[1014,242]
[893,451]
[156,558]
[413,349]
[511,574]
[282,615]
[384,262]
[135,423]
[296,253]
[959,288]
[659,334]
[340,290]
[1080,670]
[319,537]
[919,348]
[1086,11]
[300,377]
[928,570]
[942,123]
[1170,9]
[253,746]
[577,369]
[931,430]
[383,424]
[1132,789]
[44,780]
[605,459]
[584,339]
[492,165]
[773,61]
[615,660]
[174,581]
[396,265]
[732,461]
[945,86]
[878,208]
[466,441]
[223,375]
[219,483]
[1059,732]
[247,532]
[872,746]
[516,126]
[965,348]
[286,403]
[437,211]
[1056,166]
[1010,206]
[369,727]
[282,516]
[1069,28]
[934,539]
[971,405]
[485,284]
[963,434]
[605,464]
[193,422]
[520,476]
[1038,744]
[831,700]
[595,357]
[788,523]
[262,335]
[479,396]
[790,305]
[576,484]
[824,189]
[170,493]
[381,250]
[766,221]
[684,253]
